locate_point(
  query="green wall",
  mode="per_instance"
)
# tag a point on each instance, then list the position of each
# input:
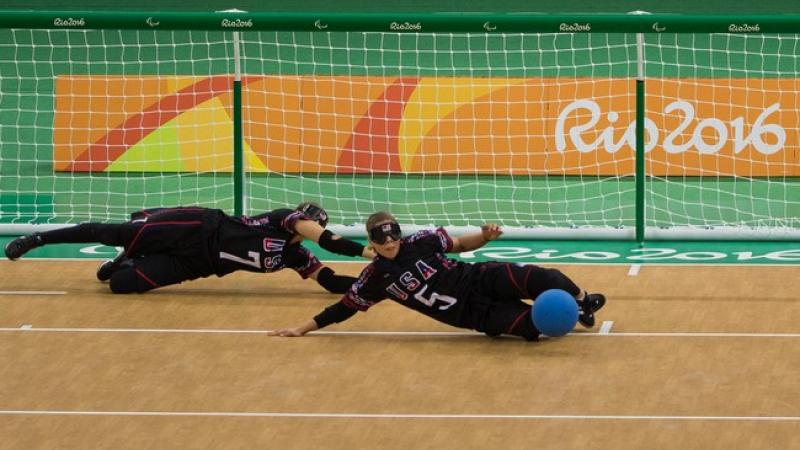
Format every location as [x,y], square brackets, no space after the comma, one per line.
[662,6]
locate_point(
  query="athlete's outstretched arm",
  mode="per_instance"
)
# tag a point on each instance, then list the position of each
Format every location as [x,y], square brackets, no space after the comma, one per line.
[327,278]
[310,229]
[472,241]
[295,332]
[337,312]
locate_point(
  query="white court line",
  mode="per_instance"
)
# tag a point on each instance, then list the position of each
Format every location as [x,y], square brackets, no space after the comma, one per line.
[634,270]
[31,329]
[605,328]
[33,292]
[398,416]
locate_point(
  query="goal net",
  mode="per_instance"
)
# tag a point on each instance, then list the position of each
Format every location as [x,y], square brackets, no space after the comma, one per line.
[535,131]
[99,123]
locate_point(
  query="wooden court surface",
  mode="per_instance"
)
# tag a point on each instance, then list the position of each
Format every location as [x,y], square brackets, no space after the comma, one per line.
[175,368]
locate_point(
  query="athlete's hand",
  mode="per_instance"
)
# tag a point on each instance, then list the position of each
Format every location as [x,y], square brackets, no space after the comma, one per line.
[369,252]
[491,231]
[287,332]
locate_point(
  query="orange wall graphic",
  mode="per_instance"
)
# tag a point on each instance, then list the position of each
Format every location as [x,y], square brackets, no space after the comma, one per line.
[513,126]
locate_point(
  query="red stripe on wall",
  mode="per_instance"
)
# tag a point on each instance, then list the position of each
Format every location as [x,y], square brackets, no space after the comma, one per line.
[373,145]
[111,146]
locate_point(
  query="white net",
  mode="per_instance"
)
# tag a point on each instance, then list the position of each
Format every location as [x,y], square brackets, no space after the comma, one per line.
[447,129]
[97,124]
[533,131]
[724,108]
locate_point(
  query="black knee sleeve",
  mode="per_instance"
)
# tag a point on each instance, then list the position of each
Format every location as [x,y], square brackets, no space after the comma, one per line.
[509,317]
[526,329]
[126,281]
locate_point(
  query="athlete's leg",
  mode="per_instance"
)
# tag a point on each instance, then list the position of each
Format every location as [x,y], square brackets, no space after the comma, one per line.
[108,234]
[22,245]
[528,281]
[151,272]
[523,281]
[510,317]
[103,233]
[174,231]
[169,246]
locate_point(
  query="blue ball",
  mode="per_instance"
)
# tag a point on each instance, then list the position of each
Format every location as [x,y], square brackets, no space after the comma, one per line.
[555,312]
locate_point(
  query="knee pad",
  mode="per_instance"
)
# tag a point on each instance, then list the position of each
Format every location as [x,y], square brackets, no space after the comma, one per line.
[527,330]
[126,281]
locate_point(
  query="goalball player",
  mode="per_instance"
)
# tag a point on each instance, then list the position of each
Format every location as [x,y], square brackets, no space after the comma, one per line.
[415,272]
[166,246]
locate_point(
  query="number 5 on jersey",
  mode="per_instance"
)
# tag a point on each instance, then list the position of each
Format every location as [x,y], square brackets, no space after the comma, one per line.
[448,300]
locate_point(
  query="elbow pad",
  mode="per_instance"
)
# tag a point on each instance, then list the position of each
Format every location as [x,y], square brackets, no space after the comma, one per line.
[338,284]
[340,246]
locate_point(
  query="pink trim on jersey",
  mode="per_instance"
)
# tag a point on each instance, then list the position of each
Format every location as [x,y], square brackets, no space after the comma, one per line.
[444,237]
[511,276]
[516,321]
[306,272]
[141,230]
[445,241]
[527,274]
[289,221]
[351,298]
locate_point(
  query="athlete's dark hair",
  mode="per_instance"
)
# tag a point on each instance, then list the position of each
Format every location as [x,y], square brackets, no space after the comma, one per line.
[314,212]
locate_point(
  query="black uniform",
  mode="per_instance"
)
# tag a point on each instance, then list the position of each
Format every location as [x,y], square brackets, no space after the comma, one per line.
[171,245]
[482,296]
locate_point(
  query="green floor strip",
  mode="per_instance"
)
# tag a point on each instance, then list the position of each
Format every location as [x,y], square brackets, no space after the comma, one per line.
[548,252]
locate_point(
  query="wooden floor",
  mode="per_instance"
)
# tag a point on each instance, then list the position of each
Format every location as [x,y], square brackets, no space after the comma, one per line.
[191,367]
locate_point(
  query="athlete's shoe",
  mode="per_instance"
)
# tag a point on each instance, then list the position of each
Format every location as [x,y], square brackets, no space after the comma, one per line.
[22,245]
[108,268]
[590,304]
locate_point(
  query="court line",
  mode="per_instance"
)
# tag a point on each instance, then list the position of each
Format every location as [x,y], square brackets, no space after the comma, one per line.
[634,270]
[27,328]
[33,292]
[401,416]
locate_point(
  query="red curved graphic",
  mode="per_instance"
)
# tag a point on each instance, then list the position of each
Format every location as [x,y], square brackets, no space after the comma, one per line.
[373,145]
[111,146]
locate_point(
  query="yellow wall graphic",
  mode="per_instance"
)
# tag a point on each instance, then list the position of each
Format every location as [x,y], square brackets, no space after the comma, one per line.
[513,126]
